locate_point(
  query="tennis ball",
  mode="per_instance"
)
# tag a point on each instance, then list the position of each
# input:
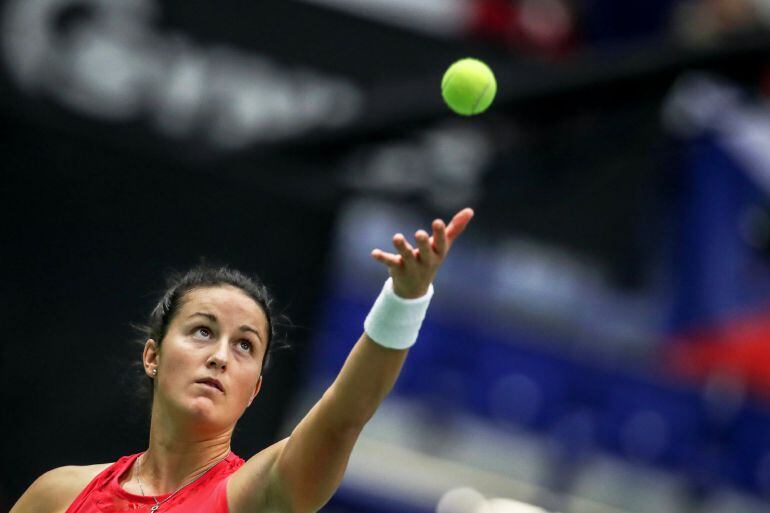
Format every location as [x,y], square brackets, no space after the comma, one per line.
[468,87]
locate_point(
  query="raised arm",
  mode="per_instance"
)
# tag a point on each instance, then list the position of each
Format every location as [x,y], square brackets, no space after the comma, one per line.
[306,468]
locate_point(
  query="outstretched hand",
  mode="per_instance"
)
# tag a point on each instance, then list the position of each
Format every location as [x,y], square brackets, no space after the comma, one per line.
[413,268]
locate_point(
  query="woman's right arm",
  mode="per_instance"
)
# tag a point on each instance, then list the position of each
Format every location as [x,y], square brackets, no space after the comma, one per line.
[55,490]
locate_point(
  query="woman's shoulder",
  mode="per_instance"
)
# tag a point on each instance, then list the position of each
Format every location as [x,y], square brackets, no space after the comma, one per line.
[56,489]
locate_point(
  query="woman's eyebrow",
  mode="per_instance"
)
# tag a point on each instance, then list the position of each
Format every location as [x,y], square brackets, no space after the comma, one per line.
[213,318]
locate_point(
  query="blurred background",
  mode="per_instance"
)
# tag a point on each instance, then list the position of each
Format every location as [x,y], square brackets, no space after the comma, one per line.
[600,337]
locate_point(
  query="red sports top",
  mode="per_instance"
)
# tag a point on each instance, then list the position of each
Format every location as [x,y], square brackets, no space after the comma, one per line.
[105,495]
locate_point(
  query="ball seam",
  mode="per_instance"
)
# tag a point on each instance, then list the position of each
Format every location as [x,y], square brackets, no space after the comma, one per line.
[478,100]
[446,81]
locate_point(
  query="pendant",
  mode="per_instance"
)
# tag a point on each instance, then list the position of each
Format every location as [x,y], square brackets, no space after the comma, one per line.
[154,508]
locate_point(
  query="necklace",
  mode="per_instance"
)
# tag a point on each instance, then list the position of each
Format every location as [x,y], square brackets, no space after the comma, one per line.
[158,503]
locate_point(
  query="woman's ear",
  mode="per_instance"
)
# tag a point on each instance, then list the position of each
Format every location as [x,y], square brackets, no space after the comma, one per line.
[256,391]
[151,357]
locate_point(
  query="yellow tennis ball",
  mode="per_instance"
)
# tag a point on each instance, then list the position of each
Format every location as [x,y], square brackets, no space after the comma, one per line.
[468,87]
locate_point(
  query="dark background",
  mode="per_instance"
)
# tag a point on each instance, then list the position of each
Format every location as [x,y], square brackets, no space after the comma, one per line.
[89,235]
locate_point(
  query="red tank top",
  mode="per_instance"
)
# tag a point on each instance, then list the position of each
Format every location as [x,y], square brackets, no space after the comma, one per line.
[105,495]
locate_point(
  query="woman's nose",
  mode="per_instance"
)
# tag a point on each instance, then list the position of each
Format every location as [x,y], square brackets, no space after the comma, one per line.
[216,362]
[219,358]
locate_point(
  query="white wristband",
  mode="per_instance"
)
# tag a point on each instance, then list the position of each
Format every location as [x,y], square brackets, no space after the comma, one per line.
[393,321]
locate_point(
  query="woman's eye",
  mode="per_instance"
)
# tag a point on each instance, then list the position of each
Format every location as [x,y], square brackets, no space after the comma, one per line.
[246,345]
[203,331]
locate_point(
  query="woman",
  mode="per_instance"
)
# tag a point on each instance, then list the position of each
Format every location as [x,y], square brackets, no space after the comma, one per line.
[212,334]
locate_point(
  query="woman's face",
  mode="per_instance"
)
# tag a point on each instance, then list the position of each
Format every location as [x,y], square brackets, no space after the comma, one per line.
[219,333]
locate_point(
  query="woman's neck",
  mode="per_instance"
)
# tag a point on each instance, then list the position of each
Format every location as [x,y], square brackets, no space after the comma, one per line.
[175,457]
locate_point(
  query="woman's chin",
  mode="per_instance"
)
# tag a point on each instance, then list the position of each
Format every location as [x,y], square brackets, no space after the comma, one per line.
[202,409]
[201,412]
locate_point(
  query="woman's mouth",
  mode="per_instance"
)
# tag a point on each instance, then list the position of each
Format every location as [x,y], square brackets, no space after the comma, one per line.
[212,383]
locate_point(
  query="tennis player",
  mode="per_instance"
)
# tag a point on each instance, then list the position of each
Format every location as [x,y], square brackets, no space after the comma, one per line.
[208,339]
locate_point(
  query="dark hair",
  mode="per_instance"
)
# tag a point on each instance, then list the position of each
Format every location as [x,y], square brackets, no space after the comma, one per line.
[178,285]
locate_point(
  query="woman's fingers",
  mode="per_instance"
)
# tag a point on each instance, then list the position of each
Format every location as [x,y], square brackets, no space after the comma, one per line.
[424,245]
[428,246]
[458,224]
[388,259]
[439,237]
[403,247]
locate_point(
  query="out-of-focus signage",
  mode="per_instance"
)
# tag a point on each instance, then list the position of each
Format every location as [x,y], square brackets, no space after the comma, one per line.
[105,59]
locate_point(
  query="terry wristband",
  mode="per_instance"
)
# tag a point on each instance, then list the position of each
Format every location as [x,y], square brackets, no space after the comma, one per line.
[394,322]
